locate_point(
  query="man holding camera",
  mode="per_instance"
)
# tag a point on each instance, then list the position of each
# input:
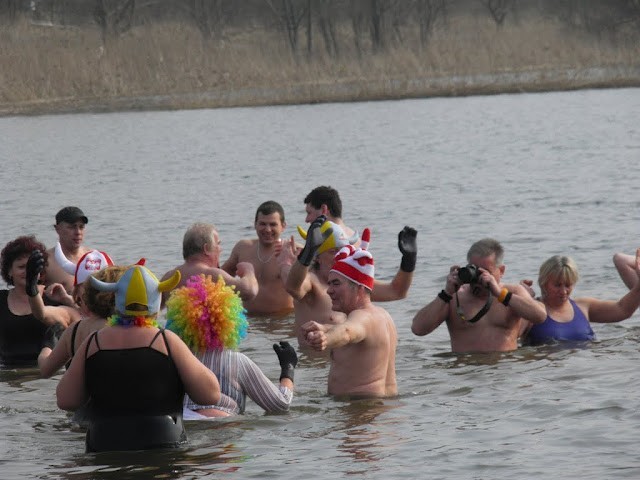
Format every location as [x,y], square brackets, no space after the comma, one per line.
[482,314]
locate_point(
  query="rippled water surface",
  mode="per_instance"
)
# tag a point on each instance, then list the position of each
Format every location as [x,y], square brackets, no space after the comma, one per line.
[546,174]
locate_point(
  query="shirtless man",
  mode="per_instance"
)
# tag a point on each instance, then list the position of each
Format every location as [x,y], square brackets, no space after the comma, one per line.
[363,347]
[326,201]
[201,252]
[262,253]
[70,226]
[306,276]
[485,316]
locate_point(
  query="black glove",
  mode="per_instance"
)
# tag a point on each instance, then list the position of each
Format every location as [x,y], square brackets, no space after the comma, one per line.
[315,238]
[288,359]
[35,265]
[52,335]
[408,248]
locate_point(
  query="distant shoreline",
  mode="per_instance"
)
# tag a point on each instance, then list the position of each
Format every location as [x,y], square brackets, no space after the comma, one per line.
[349,90]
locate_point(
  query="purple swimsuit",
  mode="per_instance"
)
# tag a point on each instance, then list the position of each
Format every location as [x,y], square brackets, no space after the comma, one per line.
[549,331]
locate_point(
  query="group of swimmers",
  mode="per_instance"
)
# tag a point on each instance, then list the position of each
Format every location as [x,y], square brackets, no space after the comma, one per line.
[133,382]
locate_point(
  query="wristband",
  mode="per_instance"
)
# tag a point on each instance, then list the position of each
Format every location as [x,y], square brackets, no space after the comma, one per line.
[408,262]
[287,372]
[507,299]
[444,296]
[503,295]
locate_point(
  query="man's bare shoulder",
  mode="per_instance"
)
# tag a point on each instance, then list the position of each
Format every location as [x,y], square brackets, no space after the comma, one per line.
[246,242]
[187,271]
[245,245]
[368,315]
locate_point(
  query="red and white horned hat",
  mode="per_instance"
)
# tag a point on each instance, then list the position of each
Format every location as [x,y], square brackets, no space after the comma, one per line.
[356,264]
[90,262]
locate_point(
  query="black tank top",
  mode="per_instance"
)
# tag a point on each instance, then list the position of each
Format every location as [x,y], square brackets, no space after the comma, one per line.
[135,398]
[133,381]
[21,336]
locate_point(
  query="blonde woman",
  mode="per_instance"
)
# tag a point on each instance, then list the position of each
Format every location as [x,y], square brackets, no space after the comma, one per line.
[569,319]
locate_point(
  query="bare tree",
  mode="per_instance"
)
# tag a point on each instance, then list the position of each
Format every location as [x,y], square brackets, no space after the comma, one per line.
[9,10]
[428,12]
[359,12]
[114,16]
[498,9]
[600,17]
[372,14]
[379,12]
[326,25]
[209,16]
[290,14]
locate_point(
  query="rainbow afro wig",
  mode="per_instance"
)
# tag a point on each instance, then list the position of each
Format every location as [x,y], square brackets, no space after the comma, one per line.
[207,315]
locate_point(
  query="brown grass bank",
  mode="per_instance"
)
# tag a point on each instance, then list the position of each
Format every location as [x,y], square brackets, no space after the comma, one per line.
[169,65]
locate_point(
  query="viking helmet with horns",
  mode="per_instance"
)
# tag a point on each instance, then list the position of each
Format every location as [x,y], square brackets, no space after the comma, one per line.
[138,292]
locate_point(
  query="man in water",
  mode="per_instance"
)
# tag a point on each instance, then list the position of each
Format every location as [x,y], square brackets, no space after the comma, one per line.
[363,346]
[70,227]
[326,201]
[201,252]
[306,276]
[475,321]
[262,252]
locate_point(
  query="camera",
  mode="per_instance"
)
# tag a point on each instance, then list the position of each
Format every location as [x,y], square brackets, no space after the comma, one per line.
[469,274]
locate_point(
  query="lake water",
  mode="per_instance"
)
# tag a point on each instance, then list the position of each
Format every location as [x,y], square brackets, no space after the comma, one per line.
[553,173]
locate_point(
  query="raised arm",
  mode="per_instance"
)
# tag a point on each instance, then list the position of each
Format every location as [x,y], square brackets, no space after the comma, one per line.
[46,314]
[292,273]
[601,311]
[260,389]
[397,289]
[517,298]
[399,286]
[297,282]
[437,311]
[625,264]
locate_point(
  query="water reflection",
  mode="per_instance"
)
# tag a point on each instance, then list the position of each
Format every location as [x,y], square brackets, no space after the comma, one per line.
[164,464]
[362,434]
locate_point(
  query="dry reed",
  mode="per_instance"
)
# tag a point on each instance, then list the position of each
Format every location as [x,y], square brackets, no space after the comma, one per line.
[169,65]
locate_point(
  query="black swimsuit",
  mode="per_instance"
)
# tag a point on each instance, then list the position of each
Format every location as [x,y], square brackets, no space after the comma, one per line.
[135,398]
[22,336]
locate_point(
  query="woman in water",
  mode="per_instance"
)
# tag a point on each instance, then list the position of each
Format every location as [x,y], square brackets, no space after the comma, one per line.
[22,335]
[569,319]
[134,374]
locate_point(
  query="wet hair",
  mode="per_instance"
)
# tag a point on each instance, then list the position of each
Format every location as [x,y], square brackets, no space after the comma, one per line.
[102,303]
[269,207]
[485,248]
[18,248]
[196,237]
[325,196]
[558,268]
